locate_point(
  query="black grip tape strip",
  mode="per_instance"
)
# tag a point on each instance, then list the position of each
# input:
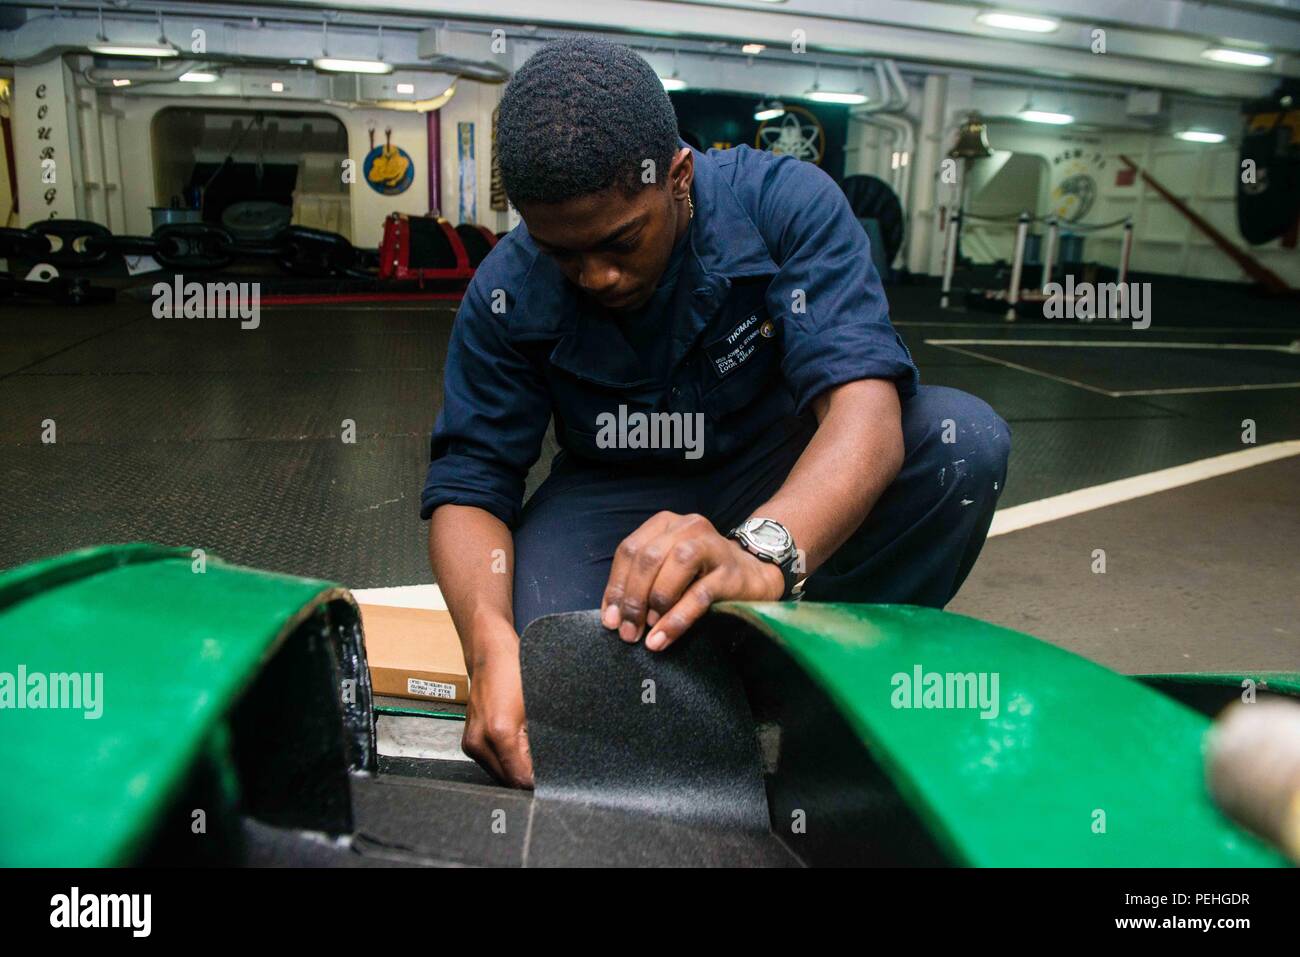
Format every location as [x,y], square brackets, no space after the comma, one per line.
[682,747]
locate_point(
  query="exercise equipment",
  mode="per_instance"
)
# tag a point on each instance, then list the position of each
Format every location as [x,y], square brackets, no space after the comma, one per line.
[422,248]
[415,249]
[1268,280]
[1268,191]
[872,198]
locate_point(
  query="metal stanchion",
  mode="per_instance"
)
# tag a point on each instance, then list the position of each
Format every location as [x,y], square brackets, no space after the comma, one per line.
[1049,250]
[950,257]
[1017,266]
[1125,249]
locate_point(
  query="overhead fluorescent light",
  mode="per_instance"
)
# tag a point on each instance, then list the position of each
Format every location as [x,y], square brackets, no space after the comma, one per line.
[199,76]
[333,64]
[133,49]
[1200,136]
[769,111]
[277,86]
[1043,116]
[672,83]
[1022,22]
[1237,57]
[753,49]
[406,88]
[834,96]
[121,82]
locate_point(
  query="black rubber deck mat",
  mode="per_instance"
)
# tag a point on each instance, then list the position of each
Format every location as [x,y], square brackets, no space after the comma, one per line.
[612,725]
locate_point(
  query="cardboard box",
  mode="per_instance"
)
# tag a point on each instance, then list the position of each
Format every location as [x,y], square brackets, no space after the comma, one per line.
[414,653]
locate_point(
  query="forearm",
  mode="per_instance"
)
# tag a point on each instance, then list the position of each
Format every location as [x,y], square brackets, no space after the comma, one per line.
[854,455]
[472,555]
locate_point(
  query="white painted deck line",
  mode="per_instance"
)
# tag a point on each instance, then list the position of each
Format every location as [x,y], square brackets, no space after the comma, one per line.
[1292,349]
[1122,490]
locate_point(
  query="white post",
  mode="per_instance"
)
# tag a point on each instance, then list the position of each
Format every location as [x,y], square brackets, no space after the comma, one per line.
[1126,248]
[949,256]
[1017,266]
[1049,250]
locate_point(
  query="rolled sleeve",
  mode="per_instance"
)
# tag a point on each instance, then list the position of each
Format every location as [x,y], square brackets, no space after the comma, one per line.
[836,326]
[493,420]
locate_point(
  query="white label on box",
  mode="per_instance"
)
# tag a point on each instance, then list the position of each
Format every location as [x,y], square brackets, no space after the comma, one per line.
[430,689]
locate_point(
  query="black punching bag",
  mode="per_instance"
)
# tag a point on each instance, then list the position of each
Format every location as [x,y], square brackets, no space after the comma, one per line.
[1268,176]
[873,198]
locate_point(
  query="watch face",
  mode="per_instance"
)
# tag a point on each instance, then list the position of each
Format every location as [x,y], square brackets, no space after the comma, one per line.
[769,536]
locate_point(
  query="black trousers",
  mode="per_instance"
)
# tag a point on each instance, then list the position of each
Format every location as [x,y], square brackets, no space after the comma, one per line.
[915,547]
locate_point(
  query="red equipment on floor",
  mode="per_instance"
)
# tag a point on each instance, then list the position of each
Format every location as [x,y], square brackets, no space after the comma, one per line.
[420,247]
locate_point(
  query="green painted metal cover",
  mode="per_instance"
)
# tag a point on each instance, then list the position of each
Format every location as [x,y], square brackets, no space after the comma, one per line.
[1074,766]
[167,649]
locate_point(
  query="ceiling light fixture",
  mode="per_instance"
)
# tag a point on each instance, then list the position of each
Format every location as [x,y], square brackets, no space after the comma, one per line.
[837,96]
[199,76]
[132,49]
[1200,136]
[1021,22]
[841,97]
[335,64]
[1232,57]
[1046,116]
[277,86]
[406,88]
[769,110]
[332,64]
[673,82]
[753,49]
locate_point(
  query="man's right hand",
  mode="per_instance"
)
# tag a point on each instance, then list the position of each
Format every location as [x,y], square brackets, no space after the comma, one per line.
[496,732]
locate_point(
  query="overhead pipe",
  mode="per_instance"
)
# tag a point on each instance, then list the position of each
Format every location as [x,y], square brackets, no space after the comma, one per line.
[896,77]
[103,77]
[400,106]
[890,115]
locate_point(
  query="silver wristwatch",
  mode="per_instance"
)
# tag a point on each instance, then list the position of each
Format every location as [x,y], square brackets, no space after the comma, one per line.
[770,541]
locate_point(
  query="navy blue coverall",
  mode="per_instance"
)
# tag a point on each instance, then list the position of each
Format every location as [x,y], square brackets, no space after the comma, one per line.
[776,301]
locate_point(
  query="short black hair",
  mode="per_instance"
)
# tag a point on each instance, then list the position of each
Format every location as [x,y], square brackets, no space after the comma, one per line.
[581,115]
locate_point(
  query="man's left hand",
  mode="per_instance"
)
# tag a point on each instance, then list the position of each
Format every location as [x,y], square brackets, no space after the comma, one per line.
[669,571]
